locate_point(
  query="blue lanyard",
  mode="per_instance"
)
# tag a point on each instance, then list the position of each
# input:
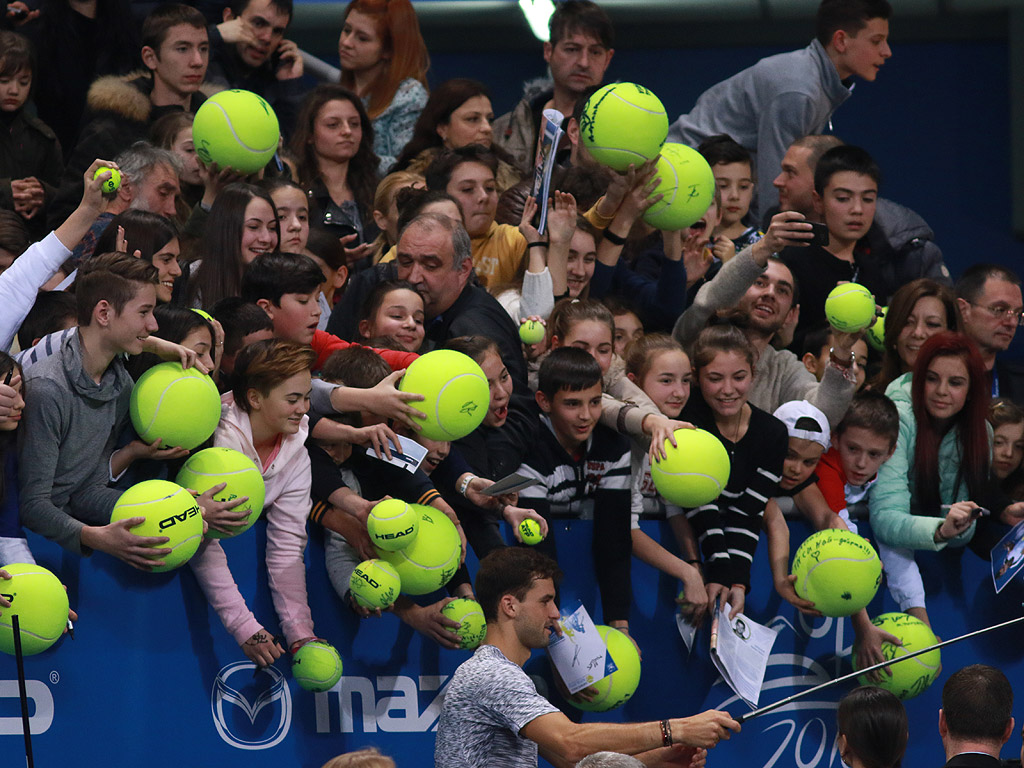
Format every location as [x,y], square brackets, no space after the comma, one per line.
[995,382]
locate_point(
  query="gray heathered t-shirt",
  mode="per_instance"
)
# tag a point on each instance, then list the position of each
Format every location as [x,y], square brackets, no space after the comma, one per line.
[488,700]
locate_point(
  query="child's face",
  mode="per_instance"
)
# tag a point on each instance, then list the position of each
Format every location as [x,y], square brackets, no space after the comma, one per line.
[131,327]
[724,383]
[184,147]
[259,231]
[296,318]
[293,218]
[627,328]
[594,338]
[14,90]
[862,453]
[946,386]
[848,205]
[580,267]
[437,451]
[10,422]
[400,316]
[573,414]
[500,383]
[472,184]
[281,410]
[1007,449]
[801,459]
[816,365]
[865,52]
[667,381]
[339,451]
[736,183]
[200,342]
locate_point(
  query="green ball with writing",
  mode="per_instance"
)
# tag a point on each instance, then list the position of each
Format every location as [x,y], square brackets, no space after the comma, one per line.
[913,676]
[838,571]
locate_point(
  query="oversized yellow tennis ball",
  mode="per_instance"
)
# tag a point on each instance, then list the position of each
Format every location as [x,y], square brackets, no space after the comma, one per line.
[455,390]
[876,331]
[41,604]
[236,129]
[529,532]
[170,511]
[532,332]
[375,584]
[913,676]
[623,123]
[838,571]
[688,186]
[472,625]
[181,406]
[850,307]
[433,557]
[110,185]
[695,471]
[393,524]
[213,466]
[316,666]
[616,689]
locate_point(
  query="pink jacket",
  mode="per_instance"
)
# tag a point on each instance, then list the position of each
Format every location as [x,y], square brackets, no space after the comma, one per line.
[286,509]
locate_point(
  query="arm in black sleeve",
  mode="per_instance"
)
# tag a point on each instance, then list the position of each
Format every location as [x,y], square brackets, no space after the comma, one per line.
[612,551]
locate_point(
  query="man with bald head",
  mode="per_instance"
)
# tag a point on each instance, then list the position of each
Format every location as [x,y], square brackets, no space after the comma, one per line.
[434,254]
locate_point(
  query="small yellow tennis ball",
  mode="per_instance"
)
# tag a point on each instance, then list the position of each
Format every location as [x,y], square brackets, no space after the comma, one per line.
[170,511]
[688,186]
[39,601]
[913,676]
[392,524]
[623,123]
[529,532]
[236,129]
[695,471]
[616,689]
[110,185]
[532,332]
[470,616]
[850,307]
[433,557]
[181,406]
[838,571]
[316,666]
[213,466]
[375,584]
[876,331]
[455,390]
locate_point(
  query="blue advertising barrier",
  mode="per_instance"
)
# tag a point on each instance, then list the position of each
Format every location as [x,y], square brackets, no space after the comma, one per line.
[152,676]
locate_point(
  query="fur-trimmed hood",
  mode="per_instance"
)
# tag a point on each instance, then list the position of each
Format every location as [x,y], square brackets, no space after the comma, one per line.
[128,95]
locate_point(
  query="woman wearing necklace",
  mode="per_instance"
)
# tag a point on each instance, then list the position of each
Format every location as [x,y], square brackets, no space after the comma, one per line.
[728,527]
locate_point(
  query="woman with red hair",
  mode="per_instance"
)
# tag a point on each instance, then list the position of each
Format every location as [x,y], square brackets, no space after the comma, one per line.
[384,61]
[928,494]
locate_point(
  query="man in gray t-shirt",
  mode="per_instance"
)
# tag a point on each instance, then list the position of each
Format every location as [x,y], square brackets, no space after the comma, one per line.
[492,713]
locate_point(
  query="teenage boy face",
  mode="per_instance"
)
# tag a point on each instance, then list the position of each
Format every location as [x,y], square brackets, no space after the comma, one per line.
[132,326]
[181,62]
[862,453]
[573,414]
[864,53]
[296,318]
[848,205]
[801,459]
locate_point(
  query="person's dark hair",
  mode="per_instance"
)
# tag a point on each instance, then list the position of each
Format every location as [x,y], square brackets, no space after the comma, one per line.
[875,725]
[220,274]
[272,275]
[585,183]
[511,571]
[619,306]
[851,16]
[376,297]
[162,18]
[112,277]
[16,53]
[265,364]
[580,16]
[326,247]
[817,340]
[443,101]
[362,168]
[49,313]
[972,281]
[970,422]
[440,171]
[239,318]
[901,305]
[723,335]
[473,347]
[724,150]
[977,703]
[284,6]
[412,201]
[355,366]
[165,129]
[14,236]
[175,324]
[568,312]
[640,353]
[143,231]
[569,369]
[845,157]
[873,411]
